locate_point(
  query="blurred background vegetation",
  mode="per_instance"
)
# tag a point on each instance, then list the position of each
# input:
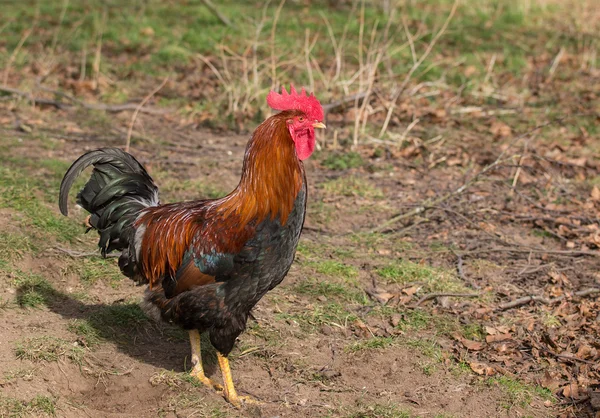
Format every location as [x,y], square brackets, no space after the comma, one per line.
[364,58]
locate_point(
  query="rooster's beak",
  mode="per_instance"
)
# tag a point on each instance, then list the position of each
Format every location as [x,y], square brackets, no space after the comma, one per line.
[319,125]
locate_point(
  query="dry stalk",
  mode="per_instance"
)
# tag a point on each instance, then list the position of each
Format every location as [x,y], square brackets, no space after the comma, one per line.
[414,68]
[489,70]
[273,59]
[98,54]
[137,110]
[210,6]
[15,53]
[63,13]
[555,64]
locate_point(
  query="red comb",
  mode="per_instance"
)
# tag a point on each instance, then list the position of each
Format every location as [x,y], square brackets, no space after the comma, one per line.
[294,101]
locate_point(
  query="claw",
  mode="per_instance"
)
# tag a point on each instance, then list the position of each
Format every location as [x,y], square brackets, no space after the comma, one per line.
[205,380]
[230,393]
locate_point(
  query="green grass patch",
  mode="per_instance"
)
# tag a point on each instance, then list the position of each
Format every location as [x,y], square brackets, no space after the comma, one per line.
[342,161]
[39,406]
[327,314]
[83,328]
[374,343]
[331,290]
[127,315]
[13,245]
[334,268]
[173,379]
[94,269]
[378,411]
[351,186]
[48,349]
[433,279]
[19,191]
[33,290]
[518,393]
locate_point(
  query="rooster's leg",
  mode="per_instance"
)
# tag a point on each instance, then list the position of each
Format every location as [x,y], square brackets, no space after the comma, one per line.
[198,370]
[230,393]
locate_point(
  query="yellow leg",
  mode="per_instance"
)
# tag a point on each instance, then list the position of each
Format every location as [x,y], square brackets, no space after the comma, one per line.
[198,370]
[230,393]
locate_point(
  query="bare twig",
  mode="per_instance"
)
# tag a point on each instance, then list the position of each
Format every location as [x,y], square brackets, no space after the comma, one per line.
[98,54]
[273,56]
[32,99]
[14,54]
[137,110]
[461,271]
[92,106]
[439,295]
[555,63]
[535,298]
[528,250]
[210,6]
[566,356]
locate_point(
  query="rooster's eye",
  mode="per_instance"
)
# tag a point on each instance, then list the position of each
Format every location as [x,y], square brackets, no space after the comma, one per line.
[300,119]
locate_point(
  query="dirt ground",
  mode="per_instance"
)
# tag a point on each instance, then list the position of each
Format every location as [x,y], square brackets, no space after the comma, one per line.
[314,349]
[449,262]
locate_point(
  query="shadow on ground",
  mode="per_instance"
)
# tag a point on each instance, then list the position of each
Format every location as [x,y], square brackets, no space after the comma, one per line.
[126,325]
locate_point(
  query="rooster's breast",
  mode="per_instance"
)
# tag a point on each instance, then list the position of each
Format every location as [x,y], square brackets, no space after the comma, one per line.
[266,258]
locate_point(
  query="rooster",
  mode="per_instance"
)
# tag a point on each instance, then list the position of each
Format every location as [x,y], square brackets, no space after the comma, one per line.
[207,262]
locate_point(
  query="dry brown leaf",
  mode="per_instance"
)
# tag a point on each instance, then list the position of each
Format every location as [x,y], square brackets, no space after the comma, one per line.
[497,337]
[482,369]
[549,382]
[469,70]
[571,391]
[471,345]
[147,31]
[381,295]
[595,194]
[410,290]
[499,329]
[500,129]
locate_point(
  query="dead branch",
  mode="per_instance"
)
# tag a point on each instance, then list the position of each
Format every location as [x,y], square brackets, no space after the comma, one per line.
[439,295]
[534,298]
[528,250]
[566,356]
[461,271]
[73,101]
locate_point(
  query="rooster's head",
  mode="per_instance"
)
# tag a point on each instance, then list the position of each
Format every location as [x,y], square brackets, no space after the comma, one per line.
[301,124]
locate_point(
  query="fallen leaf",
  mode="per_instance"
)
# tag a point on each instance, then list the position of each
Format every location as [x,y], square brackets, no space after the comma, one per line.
[500,329]
[549,382]
[410,290]
[380,295]
[470,345]
[571,391]
[469,70]
[482,369]
[500,129]
[596,194]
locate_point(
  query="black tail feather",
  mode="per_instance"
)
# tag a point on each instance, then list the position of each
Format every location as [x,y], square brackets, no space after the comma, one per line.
[118,189]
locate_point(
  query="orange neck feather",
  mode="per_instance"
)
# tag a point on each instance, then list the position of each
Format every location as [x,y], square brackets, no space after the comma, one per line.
[272,175]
